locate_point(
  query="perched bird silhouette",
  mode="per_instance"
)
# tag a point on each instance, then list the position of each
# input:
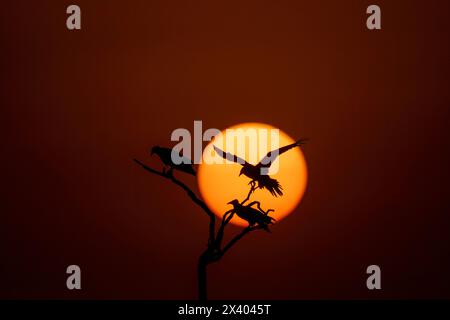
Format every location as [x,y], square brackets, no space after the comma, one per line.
[256,172]
[251,215]
[165,154]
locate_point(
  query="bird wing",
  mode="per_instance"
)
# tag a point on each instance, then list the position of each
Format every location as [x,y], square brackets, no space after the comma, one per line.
[272,155]
[230,157]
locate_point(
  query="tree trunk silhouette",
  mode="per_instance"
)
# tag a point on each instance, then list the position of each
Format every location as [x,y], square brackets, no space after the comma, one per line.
[202,276]
[215,250]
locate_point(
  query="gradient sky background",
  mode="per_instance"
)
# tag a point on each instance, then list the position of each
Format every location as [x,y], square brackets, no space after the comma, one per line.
[76,107]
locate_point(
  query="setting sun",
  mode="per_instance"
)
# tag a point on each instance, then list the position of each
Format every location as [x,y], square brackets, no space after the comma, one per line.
[220,183]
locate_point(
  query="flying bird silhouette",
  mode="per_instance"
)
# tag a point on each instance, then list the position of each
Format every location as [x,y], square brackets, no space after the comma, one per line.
[165,154]
[255,172]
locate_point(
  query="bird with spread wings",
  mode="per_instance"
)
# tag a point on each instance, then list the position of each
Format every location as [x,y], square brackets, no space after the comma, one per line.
[259,173]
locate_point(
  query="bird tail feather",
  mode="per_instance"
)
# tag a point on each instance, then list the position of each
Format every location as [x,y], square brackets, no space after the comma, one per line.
[274,187]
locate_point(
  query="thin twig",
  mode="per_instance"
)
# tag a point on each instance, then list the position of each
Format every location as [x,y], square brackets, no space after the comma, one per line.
[252,189]
[214,240]
[225,220]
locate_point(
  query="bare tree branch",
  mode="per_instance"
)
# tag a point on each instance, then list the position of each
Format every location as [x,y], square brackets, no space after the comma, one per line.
[239,237]
[190,193]
[213,252]
[252,189]
[225,219]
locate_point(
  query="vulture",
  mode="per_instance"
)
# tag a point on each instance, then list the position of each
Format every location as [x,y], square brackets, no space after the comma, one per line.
[165,154]
[252,215]
[255,172]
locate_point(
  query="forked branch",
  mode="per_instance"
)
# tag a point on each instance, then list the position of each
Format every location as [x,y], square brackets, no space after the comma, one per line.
[214,251]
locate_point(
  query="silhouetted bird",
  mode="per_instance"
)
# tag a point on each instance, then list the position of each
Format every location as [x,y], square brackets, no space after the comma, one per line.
[255,172]
[252,215]
[165,154]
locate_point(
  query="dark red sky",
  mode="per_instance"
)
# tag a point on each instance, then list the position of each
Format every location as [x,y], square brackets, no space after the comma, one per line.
[76,107]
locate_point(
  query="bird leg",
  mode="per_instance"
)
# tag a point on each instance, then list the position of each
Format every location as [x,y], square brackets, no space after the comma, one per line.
[254,187]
